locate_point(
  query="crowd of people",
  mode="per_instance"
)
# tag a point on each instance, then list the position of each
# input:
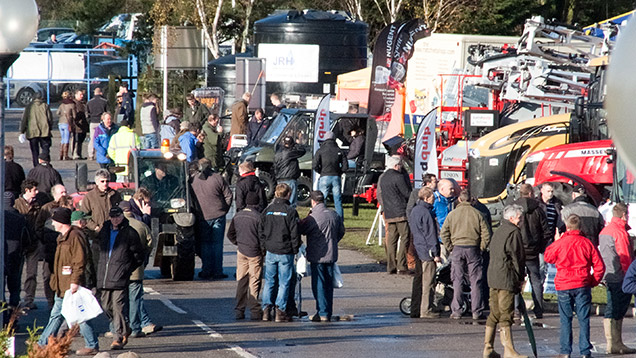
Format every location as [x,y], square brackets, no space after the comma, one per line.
[104,242]
[438,226]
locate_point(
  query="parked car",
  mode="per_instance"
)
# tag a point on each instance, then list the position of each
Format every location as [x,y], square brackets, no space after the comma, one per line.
[44,34]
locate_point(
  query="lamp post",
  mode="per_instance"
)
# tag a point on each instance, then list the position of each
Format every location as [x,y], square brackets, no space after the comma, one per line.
[18,25]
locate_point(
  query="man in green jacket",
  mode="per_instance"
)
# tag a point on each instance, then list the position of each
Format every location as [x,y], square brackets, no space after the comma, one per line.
[213,138]
[195,112]
[505,277]
[466,234]
[36,126]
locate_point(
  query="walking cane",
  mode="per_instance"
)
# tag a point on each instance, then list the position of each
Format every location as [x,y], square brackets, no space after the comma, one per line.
[528,324]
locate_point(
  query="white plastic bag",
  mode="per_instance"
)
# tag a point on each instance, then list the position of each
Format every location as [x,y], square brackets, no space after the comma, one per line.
[337,277]
[22,138]
[80,307]
[301,261]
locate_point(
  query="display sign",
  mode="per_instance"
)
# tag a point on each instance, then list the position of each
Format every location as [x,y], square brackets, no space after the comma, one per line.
[425,149]
[322,126]
[290,62]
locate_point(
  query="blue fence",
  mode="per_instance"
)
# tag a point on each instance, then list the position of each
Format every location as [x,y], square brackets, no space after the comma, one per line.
[52,71]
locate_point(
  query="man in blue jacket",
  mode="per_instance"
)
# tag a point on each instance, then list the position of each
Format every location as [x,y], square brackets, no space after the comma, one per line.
[103,133]
[425,232]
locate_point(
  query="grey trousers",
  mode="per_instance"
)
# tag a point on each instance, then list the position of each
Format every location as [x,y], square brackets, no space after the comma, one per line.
[396,257]
[115,305]
[467,261]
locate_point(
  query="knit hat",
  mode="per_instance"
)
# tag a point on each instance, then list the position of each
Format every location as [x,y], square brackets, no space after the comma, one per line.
[45,157]
[62,216]
[79,215]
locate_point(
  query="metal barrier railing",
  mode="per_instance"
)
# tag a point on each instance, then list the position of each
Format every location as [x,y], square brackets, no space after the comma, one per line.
[97,64]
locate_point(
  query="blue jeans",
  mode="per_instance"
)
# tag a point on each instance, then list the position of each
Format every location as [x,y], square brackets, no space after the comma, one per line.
[212,233]
[65,133]
[150,141]
[293,184]
[322,288]
[579,299]
[283,267]
[55,322]
[137,312]
[332,184]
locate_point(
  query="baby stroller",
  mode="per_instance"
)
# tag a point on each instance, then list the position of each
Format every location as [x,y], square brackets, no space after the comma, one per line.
[443,292]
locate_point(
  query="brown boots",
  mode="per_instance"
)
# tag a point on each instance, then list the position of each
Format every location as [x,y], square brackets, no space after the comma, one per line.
[614,337]
[489,342]
[64,152]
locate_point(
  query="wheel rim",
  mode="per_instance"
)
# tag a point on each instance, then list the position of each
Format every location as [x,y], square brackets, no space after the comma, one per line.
[303,193]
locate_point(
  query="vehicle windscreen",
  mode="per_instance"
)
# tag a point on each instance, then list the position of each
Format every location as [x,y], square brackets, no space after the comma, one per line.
[165,179]
[276,128]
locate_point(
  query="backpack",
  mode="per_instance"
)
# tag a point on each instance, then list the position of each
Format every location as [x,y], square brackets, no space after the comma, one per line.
[167,132]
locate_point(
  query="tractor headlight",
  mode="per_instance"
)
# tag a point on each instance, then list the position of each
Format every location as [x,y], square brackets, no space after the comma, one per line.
[182,156]
[168,155]
[177,203]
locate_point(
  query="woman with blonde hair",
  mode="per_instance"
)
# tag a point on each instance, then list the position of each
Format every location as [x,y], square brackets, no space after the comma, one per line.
[66,113]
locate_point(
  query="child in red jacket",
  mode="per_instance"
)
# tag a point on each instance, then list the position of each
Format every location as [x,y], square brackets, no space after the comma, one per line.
[574,255]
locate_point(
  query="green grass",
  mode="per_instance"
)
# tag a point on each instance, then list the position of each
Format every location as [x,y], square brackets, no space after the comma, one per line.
[599,296]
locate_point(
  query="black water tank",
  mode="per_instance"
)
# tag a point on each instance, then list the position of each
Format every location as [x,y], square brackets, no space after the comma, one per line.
[342,41]
[222,73]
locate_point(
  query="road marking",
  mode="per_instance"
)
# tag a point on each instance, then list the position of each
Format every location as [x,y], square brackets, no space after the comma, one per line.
[150,291]
[208,330]
[242,352]
[172,306]
[212,333]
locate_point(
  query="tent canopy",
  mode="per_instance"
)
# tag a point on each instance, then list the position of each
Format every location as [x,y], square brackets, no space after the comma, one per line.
[354,86]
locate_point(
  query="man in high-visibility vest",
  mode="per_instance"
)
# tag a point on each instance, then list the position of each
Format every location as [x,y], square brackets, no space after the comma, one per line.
[120,145]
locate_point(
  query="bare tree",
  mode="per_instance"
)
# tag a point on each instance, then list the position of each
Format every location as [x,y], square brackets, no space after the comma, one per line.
[354,7]
[392,8]
[210,40]
[249,5]
[443,15]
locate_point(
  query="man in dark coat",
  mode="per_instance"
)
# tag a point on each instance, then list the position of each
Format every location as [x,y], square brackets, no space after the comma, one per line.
[127,109]
[195,112]
[16,236]
[592,221]
[425,240]
[120,253]
[536,234]
[330,162]
[286,166]
[393,194]
[324,229]
[243,232]
[13,174]
[249,186]
[257,126]
[280,239]
[46,176]
[505,277]
[356,148]
[94,110]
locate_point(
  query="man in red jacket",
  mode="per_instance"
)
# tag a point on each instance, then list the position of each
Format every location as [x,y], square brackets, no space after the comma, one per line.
[574,256]
[617,253]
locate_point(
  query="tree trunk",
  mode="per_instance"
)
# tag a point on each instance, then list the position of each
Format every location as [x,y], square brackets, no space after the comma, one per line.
[246,30]
[215,25]
[210,41]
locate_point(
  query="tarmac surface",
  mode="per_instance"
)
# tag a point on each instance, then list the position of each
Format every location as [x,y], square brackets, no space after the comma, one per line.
[198,316]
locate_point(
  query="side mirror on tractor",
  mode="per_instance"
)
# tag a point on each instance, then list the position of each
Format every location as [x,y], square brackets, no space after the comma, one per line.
[81,177]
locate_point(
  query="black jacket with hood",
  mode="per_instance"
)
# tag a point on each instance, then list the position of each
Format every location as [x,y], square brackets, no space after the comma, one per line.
[286,162]
[278,232]
[535,231]
[329,160]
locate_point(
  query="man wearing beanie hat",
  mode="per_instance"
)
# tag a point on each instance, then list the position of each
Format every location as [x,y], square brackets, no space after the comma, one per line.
[120,248]
[46,176]
[324,229]
[243,232]
[68,273]
[286,166]
[330,162]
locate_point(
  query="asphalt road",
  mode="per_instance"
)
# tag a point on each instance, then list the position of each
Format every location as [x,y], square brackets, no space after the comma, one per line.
[198,316]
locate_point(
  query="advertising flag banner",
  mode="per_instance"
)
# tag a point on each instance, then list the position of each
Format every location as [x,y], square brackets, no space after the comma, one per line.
[322,126]
[392,50]
[425,150]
